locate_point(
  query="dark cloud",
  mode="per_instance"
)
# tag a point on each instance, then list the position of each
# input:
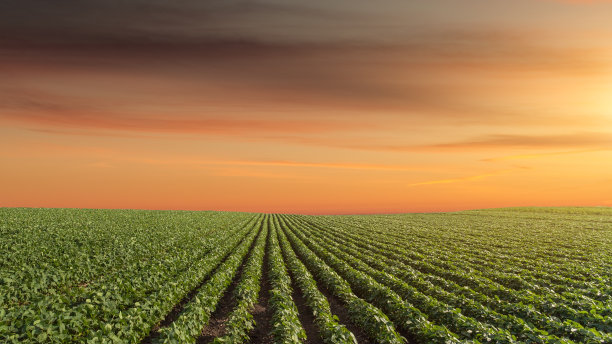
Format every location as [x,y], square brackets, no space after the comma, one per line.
[139,23]
[407,79]
[269,56]
[394,76]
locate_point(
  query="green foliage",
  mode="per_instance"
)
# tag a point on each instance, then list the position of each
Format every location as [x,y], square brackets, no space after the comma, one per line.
[240,320]
[196,314]
[370,318]
[558,290]
[113,273]
[522,275]
[286,327]
[331,331]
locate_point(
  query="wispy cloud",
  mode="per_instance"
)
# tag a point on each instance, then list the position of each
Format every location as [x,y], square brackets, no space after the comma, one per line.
[437,75]
[249,173]
[227,126]
[593,140]
[542,155]
[100,164]
[285,163]
[582,1]
[463,179]
[579,139]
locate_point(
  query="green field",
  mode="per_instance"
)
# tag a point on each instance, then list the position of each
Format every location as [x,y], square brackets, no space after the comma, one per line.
[528,275]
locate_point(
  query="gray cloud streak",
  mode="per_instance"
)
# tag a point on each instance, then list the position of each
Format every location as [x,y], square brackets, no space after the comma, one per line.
[243,49]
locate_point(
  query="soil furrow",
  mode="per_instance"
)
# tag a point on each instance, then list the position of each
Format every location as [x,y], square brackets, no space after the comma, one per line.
[178,308]
[338,309]
[306,318]
[402,331]
[216,325]
[262,334]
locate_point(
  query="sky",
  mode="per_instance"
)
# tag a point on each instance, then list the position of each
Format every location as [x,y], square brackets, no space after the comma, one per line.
[315,107]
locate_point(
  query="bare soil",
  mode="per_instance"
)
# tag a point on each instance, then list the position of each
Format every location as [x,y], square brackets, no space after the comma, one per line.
[339,310]
[306,317]
[178,308]
[216,325]
[262,333]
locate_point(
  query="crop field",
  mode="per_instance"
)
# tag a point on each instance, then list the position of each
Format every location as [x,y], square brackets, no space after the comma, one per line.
[517,275]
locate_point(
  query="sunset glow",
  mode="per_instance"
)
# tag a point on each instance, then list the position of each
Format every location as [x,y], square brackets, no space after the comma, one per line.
[306,107]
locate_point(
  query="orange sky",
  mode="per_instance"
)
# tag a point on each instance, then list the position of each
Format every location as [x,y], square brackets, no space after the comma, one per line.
[325,107]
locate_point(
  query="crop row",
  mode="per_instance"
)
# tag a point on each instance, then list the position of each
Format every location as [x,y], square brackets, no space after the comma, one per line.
[547,301]
[240,321]
[416,272]
[446,308]
[502,243]
[118,307]
[597,325]
[329,328]
[398,310]
[152,278]
[447,253]
[196,314]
